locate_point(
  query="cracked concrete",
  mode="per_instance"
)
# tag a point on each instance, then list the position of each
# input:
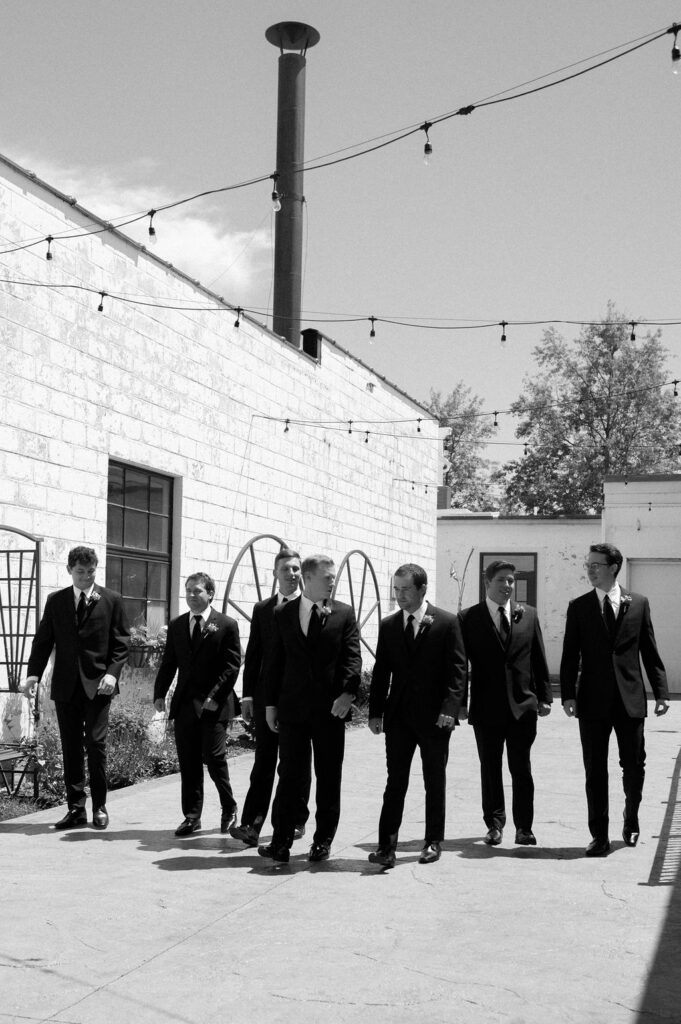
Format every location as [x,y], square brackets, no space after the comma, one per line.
[135,925]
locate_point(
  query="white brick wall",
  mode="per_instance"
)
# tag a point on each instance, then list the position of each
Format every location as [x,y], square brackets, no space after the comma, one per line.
[186,394]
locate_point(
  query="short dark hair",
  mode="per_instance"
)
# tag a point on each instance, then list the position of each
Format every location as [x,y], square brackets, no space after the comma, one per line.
[499,565]
[313,562]
[207,581]
[417,573]
[283,553]
[86,556]
[613,554]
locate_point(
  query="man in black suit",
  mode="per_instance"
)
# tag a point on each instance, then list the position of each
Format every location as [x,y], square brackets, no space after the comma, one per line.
[509,688]
[256,805]
[312,677]
[608,632]
[88,629]
[203,648]
[417,687]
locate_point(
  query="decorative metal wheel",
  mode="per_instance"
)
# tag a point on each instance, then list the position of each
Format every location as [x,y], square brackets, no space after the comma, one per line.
[357,583]
[250,579]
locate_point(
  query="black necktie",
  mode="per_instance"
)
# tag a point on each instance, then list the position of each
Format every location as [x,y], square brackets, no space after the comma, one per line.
[196,632]
[503,623]
[314,625]
[609,616]
[409,632]
[80,610]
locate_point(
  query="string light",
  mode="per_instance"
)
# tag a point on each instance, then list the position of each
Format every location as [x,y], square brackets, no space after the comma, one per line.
[276,199]
[349,426]
[632,336]
[676,52]
[676,388]
[372,332]
[286,426]
[100,307]
[418,426]
[49,240]
[427,149]
[366,439]
[526,449]
[152,230]
[503,325]
[496,421]
[237,322]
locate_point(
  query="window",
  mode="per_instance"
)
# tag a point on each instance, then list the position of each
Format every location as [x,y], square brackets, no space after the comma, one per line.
[525,575]
[139,531]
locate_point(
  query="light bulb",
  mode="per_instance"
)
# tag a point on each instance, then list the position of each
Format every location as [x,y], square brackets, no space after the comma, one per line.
[427,154]
[276,201]
[676,60]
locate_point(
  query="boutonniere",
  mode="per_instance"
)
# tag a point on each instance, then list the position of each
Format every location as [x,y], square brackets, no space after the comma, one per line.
[625,601]
[94,597]
[427,620]
[211,628]
[325,611]
[518,613]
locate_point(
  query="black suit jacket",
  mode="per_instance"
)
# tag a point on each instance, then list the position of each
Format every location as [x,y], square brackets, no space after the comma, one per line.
[431,674]
[86,653]
[303,679]
[259,641]
[504,677]
[587,646]
[210,671]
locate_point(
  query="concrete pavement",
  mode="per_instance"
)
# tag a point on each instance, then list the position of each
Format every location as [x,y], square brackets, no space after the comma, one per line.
[134,925]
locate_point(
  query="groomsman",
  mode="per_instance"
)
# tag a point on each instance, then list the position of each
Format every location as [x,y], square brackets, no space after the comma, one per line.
[509,689]
[312,677]
[257,802]
[417,687]
[203,649]
[87,626]
[608,632]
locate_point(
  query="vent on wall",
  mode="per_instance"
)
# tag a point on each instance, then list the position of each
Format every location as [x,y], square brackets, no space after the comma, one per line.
[312,343]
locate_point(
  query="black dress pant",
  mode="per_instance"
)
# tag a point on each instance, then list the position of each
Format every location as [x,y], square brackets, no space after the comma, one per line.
[402,736]
[595,736]
[257,802]
[518,734]
[199,741]
[325,734]
[83,725]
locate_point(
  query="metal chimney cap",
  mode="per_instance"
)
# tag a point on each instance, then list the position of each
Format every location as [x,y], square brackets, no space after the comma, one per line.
[292,35]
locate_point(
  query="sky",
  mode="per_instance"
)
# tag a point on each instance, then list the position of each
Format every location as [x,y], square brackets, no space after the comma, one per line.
[544,207]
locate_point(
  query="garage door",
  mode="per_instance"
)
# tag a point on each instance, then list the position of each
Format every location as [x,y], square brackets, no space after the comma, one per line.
[660,581]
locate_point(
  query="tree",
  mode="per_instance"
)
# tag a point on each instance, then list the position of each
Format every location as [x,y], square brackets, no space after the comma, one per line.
[467,473]
[595,407]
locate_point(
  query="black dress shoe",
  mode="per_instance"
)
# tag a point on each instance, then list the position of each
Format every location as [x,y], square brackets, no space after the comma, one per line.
[493,837]
[630,836]
[298,832]
[430,853]
[188,826]
[280,856]
[319,851]
[598,848]
[227,821]
[525,837]
[246,833]
[75,818]
[100,817]
[386,858]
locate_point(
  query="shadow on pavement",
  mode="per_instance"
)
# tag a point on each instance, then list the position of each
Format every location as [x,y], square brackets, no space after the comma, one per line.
[661,1000]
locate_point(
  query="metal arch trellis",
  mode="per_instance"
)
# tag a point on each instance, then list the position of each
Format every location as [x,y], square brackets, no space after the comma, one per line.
[368,576]
[19,616]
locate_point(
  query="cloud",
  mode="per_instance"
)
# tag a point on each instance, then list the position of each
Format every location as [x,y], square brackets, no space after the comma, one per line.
[195,238]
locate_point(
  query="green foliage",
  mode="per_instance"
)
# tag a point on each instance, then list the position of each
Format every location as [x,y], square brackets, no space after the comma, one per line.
[467,472]
[594,408]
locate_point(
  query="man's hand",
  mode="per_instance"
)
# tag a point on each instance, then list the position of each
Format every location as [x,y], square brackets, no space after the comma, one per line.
[247,709]
[446,722]
[570,708]
[107,684]
[544,709]
[341,705]
[28,686]
[209,704]
[376,726]
[160,704]
[661,707]
[272,718]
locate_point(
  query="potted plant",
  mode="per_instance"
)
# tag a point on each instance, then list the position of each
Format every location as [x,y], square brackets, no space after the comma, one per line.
[144,648]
